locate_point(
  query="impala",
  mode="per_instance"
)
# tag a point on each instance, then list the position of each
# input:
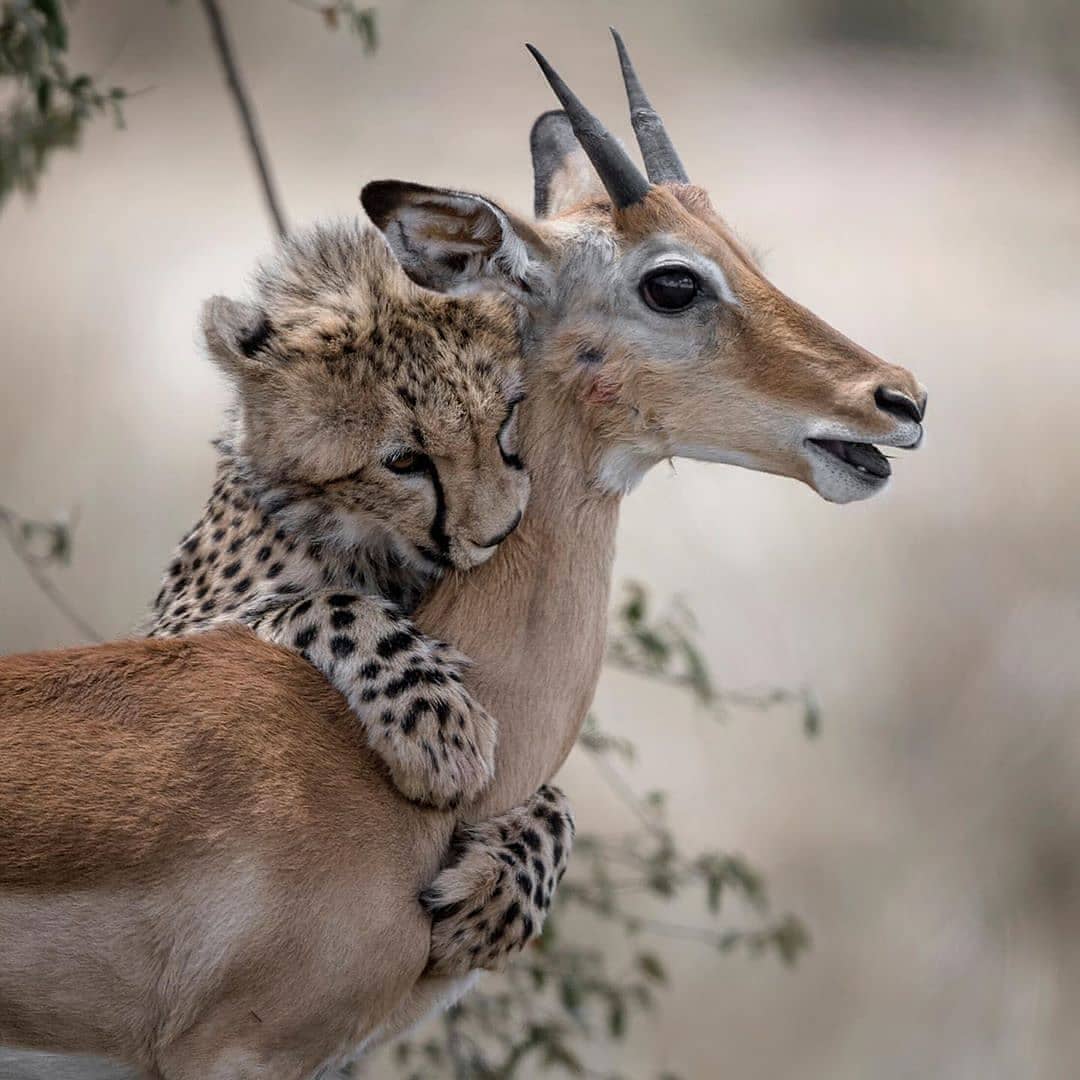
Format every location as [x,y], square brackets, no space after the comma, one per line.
[201,872]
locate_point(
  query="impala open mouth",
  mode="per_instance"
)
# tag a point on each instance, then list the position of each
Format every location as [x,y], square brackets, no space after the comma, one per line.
[864,459]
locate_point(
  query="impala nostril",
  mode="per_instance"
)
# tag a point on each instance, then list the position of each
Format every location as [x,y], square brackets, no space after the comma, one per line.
[897,403]
[496,540]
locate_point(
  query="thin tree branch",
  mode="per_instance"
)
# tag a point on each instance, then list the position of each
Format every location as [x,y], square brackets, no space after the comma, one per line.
[625,793]
[8,521]
[247,115]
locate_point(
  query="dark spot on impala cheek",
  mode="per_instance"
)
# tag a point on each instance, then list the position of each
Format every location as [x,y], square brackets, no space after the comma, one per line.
[590,356]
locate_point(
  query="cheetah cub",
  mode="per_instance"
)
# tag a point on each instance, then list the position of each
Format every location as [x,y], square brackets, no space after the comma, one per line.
[372,446]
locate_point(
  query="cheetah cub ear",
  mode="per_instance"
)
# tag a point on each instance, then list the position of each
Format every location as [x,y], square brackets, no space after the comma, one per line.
[236,334]
[454,242]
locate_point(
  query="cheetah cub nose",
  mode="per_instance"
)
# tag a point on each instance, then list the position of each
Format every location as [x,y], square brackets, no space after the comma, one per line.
[483,550]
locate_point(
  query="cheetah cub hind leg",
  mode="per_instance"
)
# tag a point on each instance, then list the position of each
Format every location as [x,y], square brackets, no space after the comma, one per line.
[492,900]
[405,689]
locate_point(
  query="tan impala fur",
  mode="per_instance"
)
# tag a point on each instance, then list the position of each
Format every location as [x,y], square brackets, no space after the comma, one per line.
[227,887]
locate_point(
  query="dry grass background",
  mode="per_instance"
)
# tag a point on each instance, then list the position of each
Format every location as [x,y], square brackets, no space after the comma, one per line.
[928,203]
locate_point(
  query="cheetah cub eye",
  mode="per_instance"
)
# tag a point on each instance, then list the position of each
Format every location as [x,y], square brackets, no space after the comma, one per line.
[406,462]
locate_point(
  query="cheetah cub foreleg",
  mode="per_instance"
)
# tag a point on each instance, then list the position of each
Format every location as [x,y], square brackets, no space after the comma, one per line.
[493,898]
[404,688]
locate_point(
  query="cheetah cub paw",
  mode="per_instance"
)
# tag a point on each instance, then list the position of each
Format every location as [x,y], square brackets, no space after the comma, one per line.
[492,900]
[405,689]
[436,739]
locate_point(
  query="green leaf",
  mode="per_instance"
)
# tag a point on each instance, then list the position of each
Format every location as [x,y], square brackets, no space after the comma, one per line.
[635,606]
[557,1053]
[617,1017]
[570,994]
[651,967]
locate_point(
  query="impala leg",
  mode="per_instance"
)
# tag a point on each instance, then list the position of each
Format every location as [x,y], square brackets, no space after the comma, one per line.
[493,898]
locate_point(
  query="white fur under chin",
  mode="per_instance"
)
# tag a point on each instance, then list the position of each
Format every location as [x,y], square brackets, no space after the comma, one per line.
[622,468]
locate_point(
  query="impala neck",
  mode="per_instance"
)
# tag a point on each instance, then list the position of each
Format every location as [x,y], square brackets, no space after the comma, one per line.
[533,618]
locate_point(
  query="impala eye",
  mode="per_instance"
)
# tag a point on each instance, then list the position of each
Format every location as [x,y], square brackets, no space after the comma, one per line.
[672,288]
[408,461]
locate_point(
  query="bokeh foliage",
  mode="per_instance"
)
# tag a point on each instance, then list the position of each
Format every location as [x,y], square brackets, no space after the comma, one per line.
[50,105]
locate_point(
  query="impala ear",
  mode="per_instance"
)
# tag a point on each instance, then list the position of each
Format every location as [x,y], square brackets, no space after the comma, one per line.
[454,242]
[563,176]
[236,334]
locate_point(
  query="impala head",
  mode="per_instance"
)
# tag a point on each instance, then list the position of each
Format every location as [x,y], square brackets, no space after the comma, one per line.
[640,301]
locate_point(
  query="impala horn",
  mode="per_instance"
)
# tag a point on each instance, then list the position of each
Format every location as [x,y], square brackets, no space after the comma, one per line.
[662,163]
[617,171]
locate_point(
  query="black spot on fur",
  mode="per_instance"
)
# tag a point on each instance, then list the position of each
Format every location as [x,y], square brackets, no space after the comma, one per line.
[407,680]
[442,712]
[342,646]
[412,717]
[306,637]
[394,643]
[341,618]
[301,609]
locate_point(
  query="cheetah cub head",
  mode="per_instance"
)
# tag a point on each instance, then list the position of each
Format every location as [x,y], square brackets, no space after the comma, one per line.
[370,413]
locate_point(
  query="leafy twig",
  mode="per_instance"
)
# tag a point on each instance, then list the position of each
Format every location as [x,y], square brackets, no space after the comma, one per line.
[50,105]
[21,533]
[361,20]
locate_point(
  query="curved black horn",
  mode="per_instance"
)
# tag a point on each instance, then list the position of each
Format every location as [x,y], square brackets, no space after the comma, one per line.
[620,175]
[661,162]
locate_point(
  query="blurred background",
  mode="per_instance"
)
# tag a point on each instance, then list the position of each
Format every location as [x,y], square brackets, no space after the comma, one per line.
[910,171]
